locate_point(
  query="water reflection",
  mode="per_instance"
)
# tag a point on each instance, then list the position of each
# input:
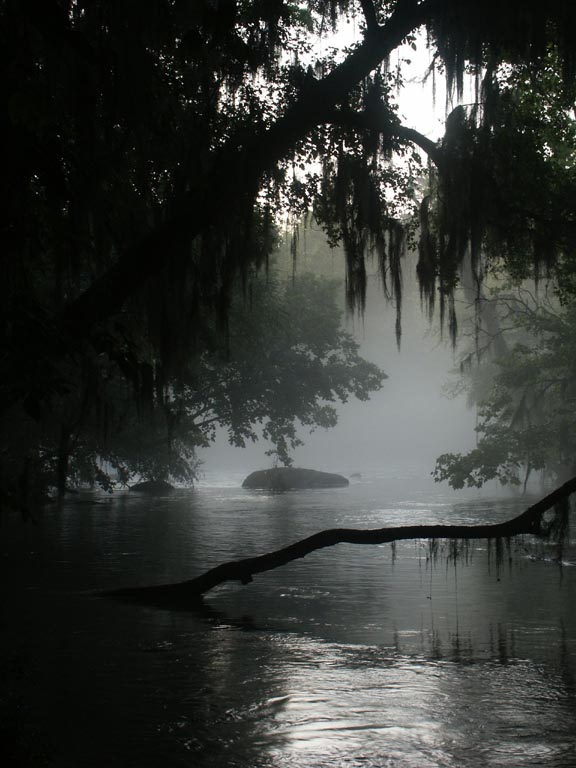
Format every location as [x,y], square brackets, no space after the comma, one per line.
[325,704]
[350,657]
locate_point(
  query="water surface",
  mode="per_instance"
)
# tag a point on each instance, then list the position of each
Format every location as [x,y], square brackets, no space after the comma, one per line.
[353,656]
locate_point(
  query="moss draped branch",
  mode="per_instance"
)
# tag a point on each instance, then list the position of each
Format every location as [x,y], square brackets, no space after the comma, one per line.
[234,175]
[375,122]
[530,522]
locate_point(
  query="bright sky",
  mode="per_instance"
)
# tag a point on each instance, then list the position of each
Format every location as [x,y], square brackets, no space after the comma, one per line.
[420,107]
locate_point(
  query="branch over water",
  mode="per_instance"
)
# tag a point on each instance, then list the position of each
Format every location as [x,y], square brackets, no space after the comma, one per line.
[532,521]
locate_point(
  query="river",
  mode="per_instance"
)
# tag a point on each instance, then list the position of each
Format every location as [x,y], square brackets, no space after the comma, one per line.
[354,656]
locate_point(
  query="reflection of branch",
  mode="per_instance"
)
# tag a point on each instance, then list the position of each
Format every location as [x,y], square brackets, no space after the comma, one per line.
[185,593]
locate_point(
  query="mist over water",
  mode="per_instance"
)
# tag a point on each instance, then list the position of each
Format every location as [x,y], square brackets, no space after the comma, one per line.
[353,656]
[405,425]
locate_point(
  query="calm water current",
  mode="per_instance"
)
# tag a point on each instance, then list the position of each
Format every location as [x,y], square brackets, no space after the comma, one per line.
[354,656]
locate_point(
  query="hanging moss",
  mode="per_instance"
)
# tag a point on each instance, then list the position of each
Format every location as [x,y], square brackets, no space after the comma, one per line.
[148,153]
[537,521]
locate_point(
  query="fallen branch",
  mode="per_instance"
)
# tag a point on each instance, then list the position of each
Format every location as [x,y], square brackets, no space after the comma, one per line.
[532,522]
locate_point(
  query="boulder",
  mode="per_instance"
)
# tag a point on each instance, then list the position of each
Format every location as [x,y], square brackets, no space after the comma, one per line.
[289,478]
[153,487]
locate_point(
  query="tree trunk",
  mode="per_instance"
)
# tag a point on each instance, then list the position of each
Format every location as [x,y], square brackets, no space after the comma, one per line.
[189,593]
[63,461]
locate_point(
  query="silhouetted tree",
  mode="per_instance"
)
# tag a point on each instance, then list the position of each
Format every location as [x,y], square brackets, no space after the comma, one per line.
[285,360]
[149,149]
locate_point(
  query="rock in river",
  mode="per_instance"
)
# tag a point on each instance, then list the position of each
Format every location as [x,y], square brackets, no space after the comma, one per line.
[289,478]
[153,487]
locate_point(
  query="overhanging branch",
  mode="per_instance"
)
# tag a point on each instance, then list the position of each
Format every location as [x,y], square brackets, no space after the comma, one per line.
[377,122]
[235,174]
[186,593]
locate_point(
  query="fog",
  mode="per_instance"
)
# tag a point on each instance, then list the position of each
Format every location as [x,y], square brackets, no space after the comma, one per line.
[405,425]
[410,422]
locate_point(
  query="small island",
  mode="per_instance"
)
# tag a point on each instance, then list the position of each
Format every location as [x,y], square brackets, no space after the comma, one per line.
[153,487]
[293,478]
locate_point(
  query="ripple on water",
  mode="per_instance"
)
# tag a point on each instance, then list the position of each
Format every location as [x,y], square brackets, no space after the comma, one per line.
[413,712]
[329,704]
[350,657]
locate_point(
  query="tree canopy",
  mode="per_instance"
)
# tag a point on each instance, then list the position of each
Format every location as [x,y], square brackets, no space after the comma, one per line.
[285,361]
[520,370]
[522,378]
[150,148]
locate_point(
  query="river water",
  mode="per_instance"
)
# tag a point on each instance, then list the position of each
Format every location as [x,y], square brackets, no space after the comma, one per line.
[353,656]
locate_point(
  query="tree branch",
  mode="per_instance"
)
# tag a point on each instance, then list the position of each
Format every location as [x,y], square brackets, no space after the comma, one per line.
[377,122]
[186,593]
[370,17]
[216,194]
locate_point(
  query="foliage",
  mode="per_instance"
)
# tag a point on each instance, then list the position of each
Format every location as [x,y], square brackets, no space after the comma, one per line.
[521,372]
[506,184]
[526,421]
[285,360]
[151,148]
[288,360]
